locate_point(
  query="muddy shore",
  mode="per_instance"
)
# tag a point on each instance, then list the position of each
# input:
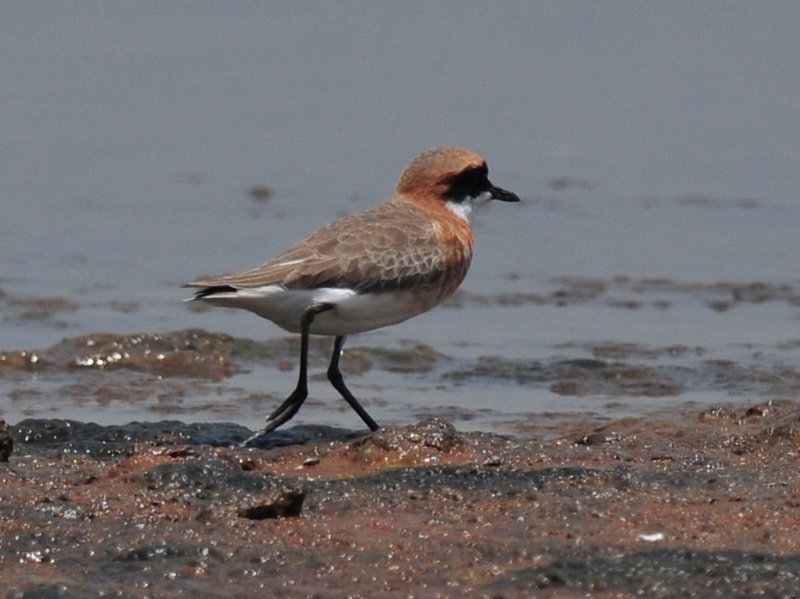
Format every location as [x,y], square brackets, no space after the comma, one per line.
[685,504]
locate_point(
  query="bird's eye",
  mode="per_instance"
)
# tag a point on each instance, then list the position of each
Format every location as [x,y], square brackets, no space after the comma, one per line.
[468,183]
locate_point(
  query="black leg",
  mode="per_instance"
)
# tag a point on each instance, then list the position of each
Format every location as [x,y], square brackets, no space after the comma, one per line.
[290,407]
[335,377]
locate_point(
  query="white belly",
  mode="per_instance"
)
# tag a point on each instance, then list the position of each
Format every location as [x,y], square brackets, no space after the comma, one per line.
[351,312]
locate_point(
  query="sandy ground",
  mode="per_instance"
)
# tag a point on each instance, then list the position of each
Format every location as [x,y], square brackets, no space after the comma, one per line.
[686,504]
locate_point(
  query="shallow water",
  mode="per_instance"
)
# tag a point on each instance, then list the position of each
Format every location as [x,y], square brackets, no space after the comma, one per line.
[658,233]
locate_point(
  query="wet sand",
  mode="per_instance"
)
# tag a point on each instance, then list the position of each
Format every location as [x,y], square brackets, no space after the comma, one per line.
[682,504]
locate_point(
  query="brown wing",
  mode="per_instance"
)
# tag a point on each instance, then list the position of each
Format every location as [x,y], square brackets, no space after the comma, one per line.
[369,250]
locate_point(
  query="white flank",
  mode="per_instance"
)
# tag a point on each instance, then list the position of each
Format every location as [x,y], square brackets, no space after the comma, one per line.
[352,312]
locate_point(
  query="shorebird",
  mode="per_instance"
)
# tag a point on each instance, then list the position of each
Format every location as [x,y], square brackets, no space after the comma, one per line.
[373,269]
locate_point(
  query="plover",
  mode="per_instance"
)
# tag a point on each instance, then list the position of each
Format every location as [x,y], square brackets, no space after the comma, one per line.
[373,269]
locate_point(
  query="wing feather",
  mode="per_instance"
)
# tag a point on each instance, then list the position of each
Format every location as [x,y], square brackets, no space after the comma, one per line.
[370,250]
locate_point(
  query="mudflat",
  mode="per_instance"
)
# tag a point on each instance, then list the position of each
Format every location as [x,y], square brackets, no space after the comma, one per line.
[689,503]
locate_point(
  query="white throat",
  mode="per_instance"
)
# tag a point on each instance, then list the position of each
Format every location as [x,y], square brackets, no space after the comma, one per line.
[464,208]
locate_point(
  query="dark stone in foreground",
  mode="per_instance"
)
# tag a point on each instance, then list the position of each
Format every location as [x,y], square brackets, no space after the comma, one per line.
[285,503]
[6,442]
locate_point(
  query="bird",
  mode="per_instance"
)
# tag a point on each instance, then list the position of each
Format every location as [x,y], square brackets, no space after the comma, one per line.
[369,270]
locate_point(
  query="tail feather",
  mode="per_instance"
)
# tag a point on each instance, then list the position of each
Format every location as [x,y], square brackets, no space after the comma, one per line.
[214,290]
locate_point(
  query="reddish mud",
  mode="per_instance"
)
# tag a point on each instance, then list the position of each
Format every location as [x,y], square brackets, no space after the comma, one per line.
[689,504]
